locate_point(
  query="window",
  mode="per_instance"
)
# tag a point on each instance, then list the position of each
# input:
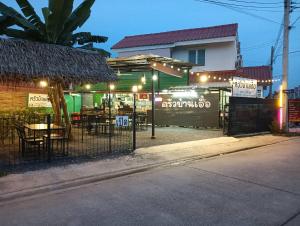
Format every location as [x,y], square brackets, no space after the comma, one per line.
[192,56]
[197,57]
[201,57]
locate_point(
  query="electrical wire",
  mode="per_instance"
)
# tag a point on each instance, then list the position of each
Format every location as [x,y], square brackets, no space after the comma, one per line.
[255,2]
[241,11]
[245,6]
[295,21]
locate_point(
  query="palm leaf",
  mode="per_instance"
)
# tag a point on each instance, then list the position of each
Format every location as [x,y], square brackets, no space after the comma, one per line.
[59,11]
[77,18]
[31,15]
[19,19]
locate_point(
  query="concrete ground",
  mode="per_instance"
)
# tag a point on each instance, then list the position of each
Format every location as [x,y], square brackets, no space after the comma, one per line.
[174,134]
[256,187]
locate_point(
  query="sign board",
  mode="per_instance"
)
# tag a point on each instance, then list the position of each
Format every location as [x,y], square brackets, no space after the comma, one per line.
[260,92]
[122,121]
[36,100]
[244,87]
[294,115]
[188,108]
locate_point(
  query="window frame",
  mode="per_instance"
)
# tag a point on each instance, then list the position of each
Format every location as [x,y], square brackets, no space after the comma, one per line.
[197,50]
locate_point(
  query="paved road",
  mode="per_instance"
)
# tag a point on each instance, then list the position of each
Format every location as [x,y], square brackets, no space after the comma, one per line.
[256,187]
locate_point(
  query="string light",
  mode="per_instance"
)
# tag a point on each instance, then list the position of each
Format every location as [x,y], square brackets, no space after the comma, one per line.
[88,86]
[140,87]
[43,83]
[154,65]
[134,89]
[165,64]
[112,87]
[203,78]
[154,77]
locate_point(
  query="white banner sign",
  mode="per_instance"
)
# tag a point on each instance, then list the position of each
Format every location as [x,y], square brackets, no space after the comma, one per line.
[244,87]
[36,100]
[122,121]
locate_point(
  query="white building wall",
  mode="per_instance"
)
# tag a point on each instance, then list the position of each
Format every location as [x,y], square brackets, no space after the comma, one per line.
[218,56]
[165,52]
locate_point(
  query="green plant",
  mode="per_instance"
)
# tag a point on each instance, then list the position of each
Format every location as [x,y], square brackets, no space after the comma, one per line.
[59,25]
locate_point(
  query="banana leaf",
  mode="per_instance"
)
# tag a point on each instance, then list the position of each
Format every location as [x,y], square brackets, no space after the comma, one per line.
[31,15]
[19,19]
[77,18]
[58,13]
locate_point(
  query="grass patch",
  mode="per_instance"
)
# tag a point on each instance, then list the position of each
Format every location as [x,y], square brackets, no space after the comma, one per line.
[3,174]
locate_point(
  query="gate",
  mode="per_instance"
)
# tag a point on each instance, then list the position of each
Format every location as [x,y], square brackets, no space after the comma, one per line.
[250,115]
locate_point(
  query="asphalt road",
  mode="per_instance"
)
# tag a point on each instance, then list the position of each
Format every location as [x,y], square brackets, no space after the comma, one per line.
[255,187]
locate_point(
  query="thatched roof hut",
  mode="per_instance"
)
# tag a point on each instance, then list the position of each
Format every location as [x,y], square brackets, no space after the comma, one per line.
[26,61]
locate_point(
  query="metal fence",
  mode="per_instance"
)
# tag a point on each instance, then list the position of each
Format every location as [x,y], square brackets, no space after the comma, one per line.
[250,115]
[26,139]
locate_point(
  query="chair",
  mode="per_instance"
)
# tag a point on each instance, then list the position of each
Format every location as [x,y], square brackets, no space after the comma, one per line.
[26,142]
[61,138]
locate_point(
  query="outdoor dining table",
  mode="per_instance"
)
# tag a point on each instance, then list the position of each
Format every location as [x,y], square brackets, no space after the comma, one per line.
[43,127]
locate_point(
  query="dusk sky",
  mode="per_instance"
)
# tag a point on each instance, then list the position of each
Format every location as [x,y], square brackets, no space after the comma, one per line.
[118,18]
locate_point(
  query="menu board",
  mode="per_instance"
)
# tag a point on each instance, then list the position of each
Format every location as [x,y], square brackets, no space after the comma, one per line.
[294,110]
[294,115]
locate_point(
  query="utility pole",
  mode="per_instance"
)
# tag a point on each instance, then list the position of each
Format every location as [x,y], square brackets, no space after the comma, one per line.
[285,61]
[271,65]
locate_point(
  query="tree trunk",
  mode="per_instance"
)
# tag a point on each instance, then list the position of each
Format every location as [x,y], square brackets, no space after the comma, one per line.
[54,99]
[65,109]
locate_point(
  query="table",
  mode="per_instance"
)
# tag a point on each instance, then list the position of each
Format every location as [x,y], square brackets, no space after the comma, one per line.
[42,127]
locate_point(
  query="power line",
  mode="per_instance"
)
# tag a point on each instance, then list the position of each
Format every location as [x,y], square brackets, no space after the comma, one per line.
[240,11]
[254,2]
[295,21]
[245,6]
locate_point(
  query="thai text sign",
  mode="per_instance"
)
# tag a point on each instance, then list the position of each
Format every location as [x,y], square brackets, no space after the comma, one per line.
[38,100]
[122,121]
[187,109]
[244,87]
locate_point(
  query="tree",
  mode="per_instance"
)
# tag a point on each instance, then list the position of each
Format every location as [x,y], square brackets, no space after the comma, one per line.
[59,26]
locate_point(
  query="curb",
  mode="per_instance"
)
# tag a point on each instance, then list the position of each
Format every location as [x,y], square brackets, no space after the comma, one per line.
[78,182]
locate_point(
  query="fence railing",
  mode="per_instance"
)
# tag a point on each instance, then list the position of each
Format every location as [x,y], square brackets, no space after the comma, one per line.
[37,138]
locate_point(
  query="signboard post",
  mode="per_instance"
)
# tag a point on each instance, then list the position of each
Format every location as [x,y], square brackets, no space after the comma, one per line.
[38,100]
[244,87]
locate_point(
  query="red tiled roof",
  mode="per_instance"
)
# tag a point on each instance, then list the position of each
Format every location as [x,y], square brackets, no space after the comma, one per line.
[260,73]
[171,37]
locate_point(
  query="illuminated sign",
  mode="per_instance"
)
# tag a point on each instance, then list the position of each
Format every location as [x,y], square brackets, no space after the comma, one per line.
[244,87]
[38,100]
